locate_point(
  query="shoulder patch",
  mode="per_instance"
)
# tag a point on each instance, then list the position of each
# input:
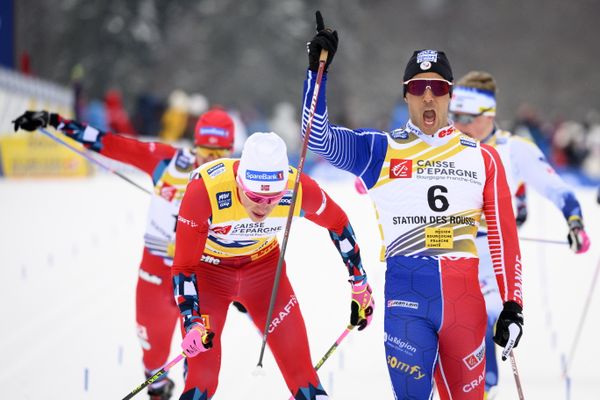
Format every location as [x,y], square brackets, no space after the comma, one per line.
[184,161]
[468,142]
[216,170]
[399,133]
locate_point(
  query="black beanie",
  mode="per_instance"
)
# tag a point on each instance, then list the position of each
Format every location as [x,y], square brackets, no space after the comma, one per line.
[428,61]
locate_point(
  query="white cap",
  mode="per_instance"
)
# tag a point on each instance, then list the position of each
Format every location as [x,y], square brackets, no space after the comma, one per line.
[264,163]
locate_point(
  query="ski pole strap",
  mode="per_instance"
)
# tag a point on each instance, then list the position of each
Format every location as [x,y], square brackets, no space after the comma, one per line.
[154,377]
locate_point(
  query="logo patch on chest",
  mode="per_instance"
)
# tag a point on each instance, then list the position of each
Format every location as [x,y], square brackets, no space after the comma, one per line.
[224,200]
[400,168]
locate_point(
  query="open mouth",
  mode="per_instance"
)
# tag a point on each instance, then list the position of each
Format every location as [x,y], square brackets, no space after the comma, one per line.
[429,117]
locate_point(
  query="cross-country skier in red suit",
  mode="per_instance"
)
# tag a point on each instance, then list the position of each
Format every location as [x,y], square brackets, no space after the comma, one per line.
[169,168]
[227,250]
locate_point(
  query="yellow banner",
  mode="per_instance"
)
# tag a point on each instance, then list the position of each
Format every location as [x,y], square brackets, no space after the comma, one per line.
[33,155]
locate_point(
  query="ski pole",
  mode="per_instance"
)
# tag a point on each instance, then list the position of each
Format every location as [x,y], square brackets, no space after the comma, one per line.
[549,241]
[157,375]
[92,159]
[332,349]
[513,364]
[288,224]
[582,320]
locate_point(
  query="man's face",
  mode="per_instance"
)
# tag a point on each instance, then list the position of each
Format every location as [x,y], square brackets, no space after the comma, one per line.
[257,212]
[428,111]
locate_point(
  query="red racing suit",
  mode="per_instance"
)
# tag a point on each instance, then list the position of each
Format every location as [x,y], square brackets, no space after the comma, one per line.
[223,256]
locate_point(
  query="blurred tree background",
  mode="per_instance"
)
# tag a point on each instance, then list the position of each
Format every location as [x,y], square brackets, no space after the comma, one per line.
[542,52]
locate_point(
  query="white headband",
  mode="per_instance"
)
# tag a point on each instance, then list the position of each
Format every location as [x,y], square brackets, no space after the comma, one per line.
[473,101]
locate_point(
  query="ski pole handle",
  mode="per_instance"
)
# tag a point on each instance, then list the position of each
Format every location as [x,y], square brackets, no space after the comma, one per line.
[154,377]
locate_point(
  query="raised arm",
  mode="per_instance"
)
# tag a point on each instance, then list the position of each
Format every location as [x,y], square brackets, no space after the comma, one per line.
[143,155]
[347,149]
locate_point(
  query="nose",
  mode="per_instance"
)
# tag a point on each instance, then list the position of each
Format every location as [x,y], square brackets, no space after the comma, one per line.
[428,95]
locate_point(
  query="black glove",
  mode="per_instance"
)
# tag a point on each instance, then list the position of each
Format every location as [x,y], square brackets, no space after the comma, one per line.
[324,39]
[521,214]
[512,313]
[32,120]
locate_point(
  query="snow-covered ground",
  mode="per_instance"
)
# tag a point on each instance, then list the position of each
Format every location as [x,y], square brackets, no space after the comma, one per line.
[70,251]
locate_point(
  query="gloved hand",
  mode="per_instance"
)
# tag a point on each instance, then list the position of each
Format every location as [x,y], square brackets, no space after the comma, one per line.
[579,241]
[197,340]
[521,213]
[32,120]
[509,327]
[362,306]
[324,39]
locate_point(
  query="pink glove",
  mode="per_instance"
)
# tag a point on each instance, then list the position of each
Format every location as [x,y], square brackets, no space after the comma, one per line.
[579,241]
[197,340]
[362,306]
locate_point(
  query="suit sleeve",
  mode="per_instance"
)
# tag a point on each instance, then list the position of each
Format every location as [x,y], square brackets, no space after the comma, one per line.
[192,228]
[143,155]
[359,151]
[190,239]
[502,229]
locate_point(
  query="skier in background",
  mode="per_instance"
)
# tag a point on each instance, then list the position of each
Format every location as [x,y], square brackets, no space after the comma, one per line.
[429,183]
[473,110]
[169,168]
[227,250]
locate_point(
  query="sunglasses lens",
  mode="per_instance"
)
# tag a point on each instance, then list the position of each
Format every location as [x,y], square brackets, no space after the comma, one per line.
[464,119]
[256,198]
[440,88]
[417,87]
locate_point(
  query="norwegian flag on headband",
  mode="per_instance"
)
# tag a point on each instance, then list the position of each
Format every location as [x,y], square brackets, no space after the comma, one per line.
[265,188]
